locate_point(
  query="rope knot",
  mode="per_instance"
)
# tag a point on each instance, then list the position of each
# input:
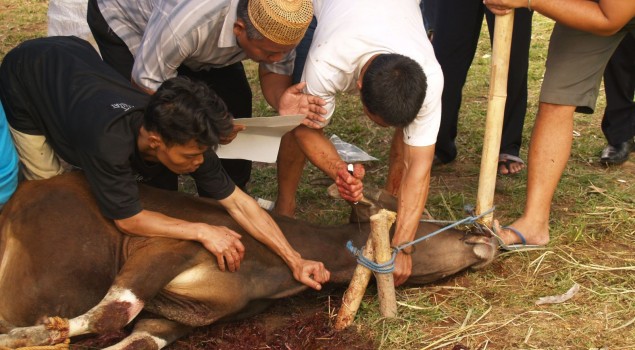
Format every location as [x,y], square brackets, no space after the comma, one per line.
[389,266]
[59,325]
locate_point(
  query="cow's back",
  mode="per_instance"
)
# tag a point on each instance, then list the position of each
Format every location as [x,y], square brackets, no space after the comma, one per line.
[79,242]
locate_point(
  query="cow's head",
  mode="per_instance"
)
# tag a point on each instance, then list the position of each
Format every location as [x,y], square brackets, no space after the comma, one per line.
[441,255]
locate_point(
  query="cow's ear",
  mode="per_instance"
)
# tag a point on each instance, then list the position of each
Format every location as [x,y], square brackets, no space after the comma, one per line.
[484,248]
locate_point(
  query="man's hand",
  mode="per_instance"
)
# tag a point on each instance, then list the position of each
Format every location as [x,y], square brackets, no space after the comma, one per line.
[224,244]
[501,7]
[229,138]
[349,185]
[403,268]
[311,273]
[295,101]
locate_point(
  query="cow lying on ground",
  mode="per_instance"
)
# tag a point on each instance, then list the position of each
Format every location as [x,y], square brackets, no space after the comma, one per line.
[59,256]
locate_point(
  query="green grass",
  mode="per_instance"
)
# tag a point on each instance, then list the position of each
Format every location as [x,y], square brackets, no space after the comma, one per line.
[21,20]
[592,226]
[592,233]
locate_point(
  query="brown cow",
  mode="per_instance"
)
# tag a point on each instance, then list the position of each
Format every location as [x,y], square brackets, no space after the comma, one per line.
[59,256]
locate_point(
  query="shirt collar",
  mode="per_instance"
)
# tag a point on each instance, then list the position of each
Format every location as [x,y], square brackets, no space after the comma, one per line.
[227,37]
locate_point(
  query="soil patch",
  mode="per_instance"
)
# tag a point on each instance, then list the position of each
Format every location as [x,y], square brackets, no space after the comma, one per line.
[300,322]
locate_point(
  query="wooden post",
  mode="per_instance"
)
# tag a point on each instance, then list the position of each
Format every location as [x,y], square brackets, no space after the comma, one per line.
[355,292]
[495,115]
[380,224]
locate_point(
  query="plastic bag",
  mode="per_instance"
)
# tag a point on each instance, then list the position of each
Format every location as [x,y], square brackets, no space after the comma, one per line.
[350,153]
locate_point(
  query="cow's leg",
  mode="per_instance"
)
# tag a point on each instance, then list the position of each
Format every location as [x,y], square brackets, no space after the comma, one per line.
[152,334]
[150,266]
[116,309]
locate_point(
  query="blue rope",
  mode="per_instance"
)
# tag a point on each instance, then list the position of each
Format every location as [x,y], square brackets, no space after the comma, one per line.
[389,266]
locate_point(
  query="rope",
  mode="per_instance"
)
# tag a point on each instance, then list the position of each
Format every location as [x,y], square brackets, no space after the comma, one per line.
[389,266]
[60,346]
[60,325]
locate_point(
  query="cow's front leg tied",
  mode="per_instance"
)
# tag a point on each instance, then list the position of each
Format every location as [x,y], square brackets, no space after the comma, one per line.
[58,328]
[53,333]
[60,346]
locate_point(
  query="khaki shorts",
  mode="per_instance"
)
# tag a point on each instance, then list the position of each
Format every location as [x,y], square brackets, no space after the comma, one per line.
[39,161]
[575,66]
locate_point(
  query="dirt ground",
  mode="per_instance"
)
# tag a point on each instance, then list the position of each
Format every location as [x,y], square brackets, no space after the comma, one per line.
[300,322]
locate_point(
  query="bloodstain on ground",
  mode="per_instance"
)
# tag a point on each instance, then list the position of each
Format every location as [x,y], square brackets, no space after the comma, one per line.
[300,322]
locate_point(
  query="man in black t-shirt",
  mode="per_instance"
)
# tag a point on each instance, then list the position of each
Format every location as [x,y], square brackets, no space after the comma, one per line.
[62,101]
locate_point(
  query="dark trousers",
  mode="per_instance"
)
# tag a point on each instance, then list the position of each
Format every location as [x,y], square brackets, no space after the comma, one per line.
[618,123]
[230,82]
[429,13]
[456,34]
[302,51]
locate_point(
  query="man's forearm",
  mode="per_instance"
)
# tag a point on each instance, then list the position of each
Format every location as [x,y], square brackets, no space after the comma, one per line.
[273,86]
[260,225]
[413,192]
[605,17]
[153,224]
[319,150]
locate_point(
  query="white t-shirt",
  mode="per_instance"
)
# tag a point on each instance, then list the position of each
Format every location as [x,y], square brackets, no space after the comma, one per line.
[350,32]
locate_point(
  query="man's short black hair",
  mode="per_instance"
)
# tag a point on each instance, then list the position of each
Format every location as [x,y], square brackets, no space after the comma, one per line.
[183,110]
[393,88]
[242,12]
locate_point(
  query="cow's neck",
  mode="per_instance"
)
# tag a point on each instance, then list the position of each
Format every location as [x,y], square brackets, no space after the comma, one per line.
[327,244]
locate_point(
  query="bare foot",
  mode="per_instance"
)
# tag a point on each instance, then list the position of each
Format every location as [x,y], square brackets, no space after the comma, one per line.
[509,165]
[533,234]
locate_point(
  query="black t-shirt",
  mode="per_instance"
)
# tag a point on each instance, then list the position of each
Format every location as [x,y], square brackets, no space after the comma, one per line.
[59,87]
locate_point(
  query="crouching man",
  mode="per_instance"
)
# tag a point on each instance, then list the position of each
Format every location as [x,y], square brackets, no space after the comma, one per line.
[62,100]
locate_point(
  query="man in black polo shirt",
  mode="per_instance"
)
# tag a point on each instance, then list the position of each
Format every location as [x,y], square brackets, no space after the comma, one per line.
[62,101]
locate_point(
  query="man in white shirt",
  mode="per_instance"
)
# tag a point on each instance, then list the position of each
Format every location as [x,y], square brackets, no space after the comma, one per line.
[380,49]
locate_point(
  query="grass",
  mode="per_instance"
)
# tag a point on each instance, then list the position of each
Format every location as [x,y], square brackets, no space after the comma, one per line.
[592,226]
[21,20]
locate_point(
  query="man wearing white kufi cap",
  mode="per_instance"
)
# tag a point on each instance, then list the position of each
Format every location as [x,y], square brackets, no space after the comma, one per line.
[150,41]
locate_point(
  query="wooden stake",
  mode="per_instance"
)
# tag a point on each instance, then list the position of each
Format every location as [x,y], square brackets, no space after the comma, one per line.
[380,224]
[495,115]
[355,292]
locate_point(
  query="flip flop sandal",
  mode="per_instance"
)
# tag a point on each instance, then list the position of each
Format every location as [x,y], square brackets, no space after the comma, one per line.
[518,246]
[506,160]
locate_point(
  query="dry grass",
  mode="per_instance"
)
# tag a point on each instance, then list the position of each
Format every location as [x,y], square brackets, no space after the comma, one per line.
[592,228]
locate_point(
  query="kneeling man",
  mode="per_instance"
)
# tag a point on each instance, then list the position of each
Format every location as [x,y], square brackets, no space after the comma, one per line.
[62,100]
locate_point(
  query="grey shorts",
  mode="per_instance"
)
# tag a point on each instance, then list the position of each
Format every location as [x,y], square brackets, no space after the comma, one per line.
[575,65]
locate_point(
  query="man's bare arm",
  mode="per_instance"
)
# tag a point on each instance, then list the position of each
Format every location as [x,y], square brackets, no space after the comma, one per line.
[605,17]
[261,226]
[321,152]
[290,99]
[219,240]
[411,200]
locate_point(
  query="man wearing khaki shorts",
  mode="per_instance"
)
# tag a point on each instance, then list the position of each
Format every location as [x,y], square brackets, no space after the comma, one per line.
[37,156]
[583,40]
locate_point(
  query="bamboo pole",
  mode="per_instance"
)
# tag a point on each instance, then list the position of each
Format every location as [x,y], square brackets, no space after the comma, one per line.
[380,233]
[355,292]
[495,115]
